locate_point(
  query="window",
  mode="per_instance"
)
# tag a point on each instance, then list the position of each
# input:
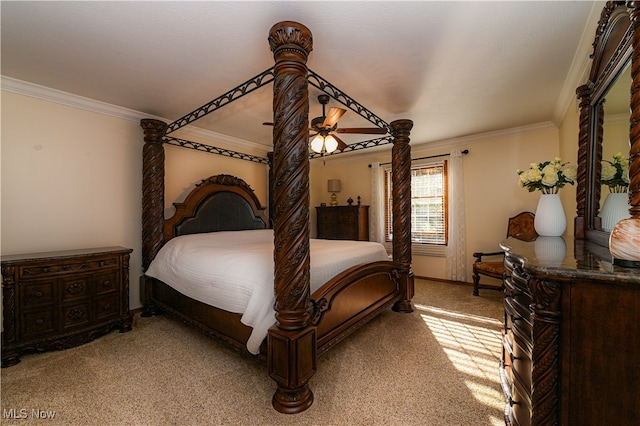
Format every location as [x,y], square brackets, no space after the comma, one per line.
[428,204]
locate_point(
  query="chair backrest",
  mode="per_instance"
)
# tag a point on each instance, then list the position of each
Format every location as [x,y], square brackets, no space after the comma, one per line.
[521,227]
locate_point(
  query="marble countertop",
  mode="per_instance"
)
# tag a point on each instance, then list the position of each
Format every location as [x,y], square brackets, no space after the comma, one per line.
[566,257]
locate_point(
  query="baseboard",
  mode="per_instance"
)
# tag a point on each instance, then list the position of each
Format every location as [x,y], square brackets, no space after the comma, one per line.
[442,280]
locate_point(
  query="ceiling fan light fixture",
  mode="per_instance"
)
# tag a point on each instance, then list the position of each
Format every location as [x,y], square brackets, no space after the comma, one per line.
[330,144]
[317,144]
[324,144]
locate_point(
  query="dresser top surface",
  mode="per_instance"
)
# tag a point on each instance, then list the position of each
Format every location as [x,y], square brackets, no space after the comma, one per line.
[63,254]
[566,257]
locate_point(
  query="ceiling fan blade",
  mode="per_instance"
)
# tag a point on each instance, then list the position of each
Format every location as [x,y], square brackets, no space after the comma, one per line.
[364,130]
[341,144]
[332,117]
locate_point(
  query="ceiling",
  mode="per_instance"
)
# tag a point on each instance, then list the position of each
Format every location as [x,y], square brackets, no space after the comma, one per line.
[454,68]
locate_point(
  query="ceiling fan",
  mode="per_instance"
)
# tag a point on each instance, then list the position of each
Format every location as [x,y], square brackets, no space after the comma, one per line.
[324,139]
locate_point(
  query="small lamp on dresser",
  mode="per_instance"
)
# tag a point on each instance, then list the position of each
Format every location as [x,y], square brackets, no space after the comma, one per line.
[333,186]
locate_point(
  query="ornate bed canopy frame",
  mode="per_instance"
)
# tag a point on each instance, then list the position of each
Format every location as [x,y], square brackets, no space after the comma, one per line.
[291,345]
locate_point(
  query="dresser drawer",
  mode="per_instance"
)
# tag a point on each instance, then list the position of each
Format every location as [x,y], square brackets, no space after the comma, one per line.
[37,323]
[507,359]
[75,315]
[106,282]
[520,408]
[519,317]
[107,307]
[38,293]
[54,268]
[510,264]
[521,305]
[75,287]
[520,359]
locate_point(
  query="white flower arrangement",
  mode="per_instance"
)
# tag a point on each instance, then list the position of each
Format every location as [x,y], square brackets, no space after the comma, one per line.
[547,177]
[615,174]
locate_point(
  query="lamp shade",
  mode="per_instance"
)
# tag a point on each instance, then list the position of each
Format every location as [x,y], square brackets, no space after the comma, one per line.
[317,144]
[330,144]
[333,185]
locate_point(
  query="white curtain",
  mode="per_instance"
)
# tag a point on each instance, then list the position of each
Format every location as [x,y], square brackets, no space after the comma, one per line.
[376,209]
[456,249]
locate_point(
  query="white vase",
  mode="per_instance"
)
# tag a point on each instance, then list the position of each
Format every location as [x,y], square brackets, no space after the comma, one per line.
[550,220]
[614,209]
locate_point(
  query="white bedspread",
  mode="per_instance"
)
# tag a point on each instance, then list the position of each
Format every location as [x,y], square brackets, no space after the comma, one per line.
[234,270]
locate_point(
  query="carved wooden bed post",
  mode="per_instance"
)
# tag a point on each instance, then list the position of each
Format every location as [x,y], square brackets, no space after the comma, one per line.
[152,198]
[401,193]
[292,344]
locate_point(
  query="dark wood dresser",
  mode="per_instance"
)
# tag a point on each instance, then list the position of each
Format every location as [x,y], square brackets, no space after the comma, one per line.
[571,354]
[343,222]
[58,300]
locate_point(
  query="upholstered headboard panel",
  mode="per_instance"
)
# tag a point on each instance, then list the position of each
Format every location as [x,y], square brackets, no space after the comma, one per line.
[219,203]
[222,211]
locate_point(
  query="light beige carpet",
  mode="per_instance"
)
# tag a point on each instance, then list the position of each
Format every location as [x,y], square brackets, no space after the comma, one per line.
[164,373]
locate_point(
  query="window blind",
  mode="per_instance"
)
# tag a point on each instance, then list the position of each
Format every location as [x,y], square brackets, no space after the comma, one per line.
[428,204]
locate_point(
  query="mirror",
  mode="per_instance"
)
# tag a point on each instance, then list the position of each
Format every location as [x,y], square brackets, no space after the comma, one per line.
[615,143]
[604,107]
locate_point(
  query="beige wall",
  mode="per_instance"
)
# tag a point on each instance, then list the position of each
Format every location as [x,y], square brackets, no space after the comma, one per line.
[70,179]
[184,168]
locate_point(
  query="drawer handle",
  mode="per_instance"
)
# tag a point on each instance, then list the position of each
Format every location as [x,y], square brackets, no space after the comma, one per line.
[75,314]
[106,283]
[75,288]
[39,321]
[107,307]
[39,294]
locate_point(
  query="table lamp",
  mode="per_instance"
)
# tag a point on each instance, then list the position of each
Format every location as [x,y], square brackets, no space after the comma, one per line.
[333,186]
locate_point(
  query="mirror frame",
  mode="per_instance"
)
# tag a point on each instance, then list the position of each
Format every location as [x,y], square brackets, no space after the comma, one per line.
[612,51]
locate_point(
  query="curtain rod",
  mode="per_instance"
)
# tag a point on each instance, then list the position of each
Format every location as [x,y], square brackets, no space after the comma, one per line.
[466,151]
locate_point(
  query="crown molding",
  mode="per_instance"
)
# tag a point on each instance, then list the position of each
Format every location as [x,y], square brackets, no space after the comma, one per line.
[581,64]
[24,88]
[48,94]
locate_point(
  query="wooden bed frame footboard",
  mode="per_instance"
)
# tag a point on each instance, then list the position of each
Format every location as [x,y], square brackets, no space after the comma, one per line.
[353,298]
[306,325]
[341,306]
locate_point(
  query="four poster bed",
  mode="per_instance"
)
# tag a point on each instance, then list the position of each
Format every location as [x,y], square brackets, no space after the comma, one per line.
[311,302]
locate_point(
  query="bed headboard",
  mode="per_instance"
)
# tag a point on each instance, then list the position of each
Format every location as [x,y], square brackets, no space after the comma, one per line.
[218,203]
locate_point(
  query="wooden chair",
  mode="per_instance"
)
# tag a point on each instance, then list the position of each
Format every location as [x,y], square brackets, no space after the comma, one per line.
[520,227]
